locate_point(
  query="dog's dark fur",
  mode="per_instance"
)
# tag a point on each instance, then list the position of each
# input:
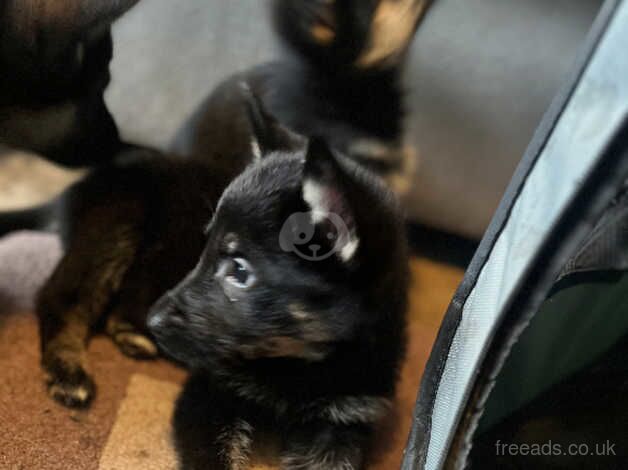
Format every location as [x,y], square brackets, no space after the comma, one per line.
[310,350]
[344,86]
[309,353]
[131,231]
[54,68]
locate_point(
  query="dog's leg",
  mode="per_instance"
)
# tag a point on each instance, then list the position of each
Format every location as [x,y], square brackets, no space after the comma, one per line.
[210,432]
[127,336]
[126,322]
[324,446]
[63,336]
[71,303]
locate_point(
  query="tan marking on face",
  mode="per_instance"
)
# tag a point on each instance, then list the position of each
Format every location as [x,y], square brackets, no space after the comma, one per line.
[278,346]
[285,346]
[231,243]
[312,329]
[392,30]
[298,312]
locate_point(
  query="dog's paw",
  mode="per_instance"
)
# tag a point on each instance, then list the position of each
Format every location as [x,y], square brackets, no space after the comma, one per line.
[70,386]
[136,345]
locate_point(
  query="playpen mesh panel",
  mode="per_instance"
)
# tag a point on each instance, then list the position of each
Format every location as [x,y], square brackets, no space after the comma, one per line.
[596,109]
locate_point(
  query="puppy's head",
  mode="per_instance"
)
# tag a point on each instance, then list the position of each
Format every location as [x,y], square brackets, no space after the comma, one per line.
[303,252]
[54,57]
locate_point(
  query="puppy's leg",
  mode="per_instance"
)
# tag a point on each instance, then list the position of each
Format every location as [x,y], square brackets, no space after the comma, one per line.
[324,446]
[63,336]
[210,433]
[72,301]
[126,322]
[128,338]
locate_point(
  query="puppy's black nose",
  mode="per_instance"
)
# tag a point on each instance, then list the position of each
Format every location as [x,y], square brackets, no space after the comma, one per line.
[163,313]
[155,320]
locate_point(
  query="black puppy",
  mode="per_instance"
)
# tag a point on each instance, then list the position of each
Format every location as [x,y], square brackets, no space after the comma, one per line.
[342,82]
[293,320]
[54,68]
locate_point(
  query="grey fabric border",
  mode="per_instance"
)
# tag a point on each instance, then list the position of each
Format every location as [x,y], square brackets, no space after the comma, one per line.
[574,227]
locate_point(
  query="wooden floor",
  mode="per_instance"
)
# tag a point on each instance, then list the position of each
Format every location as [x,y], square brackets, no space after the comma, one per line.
[128,426]
[433,285]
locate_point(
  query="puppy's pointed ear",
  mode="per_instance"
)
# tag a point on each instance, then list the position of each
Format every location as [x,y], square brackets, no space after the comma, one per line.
[268,135]
[326,190]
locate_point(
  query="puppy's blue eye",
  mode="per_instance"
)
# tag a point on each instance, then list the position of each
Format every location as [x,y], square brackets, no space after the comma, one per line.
[237,272]
[240,272]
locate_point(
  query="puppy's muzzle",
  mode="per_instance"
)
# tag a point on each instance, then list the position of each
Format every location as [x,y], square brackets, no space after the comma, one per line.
[164,315]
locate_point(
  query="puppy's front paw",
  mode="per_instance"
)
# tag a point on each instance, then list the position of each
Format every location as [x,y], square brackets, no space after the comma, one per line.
[136,345]
[70,385]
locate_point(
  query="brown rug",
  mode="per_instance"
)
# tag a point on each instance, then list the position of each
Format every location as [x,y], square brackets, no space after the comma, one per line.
[127,426]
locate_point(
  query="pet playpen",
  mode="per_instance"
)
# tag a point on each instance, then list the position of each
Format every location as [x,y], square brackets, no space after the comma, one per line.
[528,366]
